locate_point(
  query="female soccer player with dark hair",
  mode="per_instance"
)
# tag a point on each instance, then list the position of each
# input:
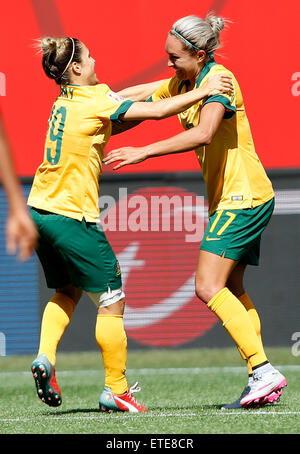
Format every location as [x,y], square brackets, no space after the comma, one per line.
[73,251]
[240,195]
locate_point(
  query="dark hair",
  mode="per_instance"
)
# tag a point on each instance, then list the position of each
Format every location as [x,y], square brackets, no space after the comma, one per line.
[58,54]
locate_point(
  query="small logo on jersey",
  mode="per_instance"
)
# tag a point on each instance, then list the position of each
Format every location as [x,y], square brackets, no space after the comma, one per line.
[115,97]
[236,198]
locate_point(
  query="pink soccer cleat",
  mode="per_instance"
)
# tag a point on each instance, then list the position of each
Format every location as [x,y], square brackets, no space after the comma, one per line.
[265,388]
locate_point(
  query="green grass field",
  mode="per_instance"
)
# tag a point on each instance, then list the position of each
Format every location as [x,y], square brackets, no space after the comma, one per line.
[183,389]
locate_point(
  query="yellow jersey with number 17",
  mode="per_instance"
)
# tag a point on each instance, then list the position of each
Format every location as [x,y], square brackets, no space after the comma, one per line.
[67,182]
[232,171]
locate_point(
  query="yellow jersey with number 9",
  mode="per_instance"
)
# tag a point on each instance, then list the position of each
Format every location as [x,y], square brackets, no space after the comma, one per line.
[232,171]
[67,182]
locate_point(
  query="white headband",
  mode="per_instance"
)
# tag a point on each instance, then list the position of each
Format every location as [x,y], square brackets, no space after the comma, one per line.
[73,51]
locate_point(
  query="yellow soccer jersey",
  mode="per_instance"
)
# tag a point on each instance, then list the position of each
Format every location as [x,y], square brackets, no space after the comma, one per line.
[67,182]
[232,171]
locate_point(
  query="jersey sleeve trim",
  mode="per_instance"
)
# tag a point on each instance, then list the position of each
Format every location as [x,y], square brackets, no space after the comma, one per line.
[120,111]
[230,110]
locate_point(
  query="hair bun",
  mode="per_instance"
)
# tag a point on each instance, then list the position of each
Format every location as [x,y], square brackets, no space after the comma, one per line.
[48,45]
[216,23]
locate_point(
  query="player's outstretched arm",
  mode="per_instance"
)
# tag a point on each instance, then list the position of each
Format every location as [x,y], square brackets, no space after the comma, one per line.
[140,92]
[20,229]
[211,117]
[216,84]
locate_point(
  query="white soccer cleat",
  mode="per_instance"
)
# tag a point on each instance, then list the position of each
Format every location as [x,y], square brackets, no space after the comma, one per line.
[263,388]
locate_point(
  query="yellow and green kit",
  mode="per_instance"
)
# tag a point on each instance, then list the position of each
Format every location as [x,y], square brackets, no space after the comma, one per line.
[233,173]
[65,191]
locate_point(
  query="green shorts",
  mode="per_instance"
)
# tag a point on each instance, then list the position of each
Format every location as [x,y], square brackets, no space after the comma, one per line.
[236,234]
[75,252]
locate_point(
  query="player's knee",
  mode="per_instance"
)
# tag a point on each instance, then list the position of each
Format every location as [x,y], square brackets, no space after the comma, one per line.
[202,293]
[109,301]
[113,309]
[205,291]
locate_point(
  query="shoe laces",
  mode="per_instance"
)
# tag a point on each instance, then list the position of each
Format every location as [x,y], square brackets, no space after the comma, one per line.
[134,389]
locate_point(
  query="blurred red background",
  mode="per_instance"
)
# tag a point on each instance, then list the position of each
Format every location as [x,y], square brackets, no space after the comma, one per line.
[127,39]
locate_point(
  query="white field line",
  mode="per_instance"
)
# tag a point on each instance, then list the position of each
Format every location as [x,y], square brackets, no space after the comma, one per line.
[161,371]
[89,417]
[156,371]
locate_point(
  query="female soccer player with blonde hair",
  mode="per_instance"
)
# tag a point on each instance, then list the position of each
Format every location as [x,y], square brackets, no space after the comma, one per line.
[74,252]
[240,195]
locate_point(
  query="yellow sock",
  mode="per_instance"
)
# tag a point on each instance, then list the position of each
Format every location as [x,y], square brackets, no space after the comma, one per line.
[249,306]
[237,322]
[112,341]
[56,318]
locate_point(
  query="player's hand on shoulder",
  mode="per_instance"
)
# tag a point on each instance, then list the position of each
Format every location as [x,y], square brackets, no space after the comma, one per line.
[219,83]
